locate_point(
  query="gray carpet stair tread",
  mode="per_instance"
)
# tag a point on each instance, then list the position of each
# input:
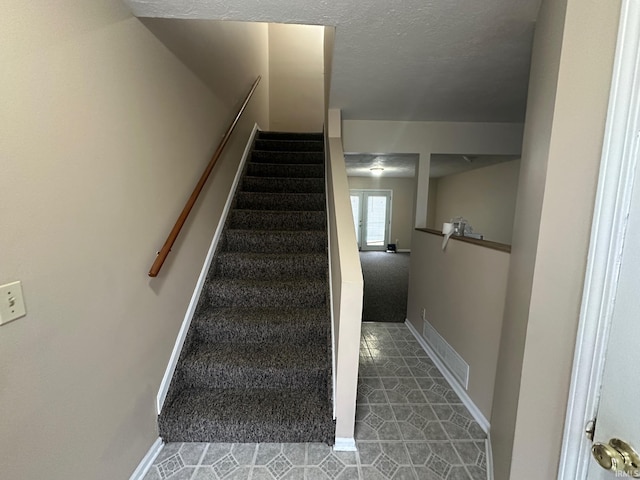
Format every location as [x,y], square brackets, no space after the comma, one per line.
[266,156]
[277,220]
[274,241]
[247,416]
[255,366]
[289,145]
[269,266]
[284,185]
[285,171]
[281,201]
[263,325]
[298,292]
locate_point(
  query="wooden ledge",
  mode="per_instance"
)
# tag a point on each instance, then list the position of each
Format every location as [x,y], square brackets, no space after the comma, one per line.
[502,247]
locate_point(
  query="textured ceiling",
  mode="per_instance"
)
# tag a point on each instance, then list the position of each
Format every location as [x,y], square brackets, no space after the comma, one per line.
[404,164]
[443,165]
[394,164]
[446,60]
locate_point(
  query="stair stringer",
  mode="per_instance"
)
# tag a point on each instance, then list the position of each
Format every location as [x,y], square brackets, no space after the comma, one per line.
[182,337]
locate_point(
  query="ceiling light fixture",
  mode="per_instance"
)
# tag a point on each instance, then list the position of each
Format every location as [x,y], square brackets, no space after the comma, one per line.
[377,170]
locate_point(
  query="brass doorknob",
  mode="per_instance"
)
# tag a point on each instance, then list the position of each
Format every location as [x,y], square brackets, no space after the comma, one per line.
[617,456]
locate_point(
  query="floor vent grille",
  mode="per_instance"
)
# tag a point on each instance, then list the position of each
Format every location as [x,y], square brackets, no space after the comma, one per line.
[454,362]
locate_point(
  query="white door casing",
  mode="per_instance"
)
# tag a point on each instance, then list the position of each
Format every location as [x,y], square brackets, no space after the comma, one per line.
[604,383]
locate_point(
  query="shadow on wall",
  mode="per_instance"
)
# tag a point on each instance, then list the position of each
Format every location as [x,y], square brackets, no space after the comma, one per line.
[294,53]
[485,197]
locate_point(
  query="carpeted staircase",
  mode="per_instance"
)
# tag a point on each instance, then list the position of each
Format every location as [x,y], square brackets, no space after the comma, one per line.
[256,363]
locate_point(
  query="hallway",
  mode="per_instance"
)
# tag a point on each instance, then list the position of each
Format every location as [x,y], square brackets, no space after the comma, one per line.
[409,425]
[386,286]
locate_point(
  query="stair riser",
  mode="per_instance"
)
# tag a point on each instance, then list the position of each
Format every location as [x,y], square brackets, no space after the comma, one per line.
[319,137]
[283,185]
[216,432]
[309,158]
[285,171]
[304,295]
[289,145]
[230,376]
[263,326]
[239,266]
[248,415]
[261,334]
[281,201]
[267,220]
[275,242]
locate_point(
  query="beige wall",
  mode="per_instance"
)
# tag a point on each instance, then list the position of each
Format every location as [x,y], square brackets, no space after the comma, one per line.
[206,45]
[486,197]
[425,138]
[540,106]
[329,41]
[402,204]
[568,97]
[463,291]
[104,133]
[431,204]
[296,71]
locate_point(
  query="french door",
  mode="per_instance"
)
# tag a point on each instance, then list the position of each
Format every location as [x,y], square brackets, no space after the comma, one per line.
[371,217]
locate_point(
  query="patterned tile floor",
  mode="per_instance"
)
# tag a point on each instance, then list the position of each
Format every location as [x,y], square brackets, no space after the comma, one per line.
[409,425]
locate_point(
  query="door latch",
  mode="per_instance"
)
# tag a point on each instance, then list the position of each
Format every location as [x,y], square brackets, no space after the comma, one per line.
[590,429]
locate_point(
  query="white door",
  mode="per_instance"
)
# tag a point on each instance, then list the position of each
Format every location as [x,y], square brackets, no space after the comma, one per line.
[618,414]
[606,378]
[371,217]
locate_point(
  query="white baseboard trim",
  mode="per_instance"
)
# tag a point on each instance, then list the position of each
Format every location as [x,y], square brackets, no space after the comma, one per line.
[489,451]
[344,444]
[455,385]
[186,323]
[147,461]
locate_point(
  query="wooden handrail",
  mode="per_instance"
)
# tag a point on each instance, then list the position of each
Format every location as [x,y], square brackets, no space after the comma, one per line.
[166,248]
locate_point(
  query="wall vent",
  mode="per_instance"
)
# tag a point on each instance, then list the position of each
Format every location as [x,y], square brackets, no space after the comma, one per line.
[454,362]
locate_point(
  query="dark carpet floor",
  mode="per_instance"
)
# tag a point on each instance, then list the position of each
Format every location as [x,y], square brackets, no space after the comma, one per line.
[386,285]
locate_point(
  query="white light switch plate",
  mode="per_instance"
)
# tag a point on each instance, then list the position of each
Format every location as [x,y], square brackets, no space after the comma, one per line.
[11,302]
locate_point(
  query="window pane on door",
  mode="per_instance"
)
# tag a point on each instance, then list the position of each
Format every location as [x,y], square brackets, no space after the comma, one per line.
[376,220]
[355,210]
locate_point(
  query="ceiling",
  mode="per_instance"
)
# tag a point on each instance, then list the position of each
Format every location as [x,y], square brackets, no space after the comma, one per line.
[393,164]
[444,164]
[404,165]
[444,60]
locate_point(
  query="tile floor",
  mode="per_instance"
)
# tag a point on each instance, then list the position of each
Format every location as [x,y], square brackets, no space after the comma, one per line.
[409,425]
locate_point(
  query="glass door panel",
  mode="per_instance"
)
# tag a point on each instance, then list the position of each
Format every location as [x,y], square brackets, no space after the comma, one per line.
[371,218]
[376,220]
